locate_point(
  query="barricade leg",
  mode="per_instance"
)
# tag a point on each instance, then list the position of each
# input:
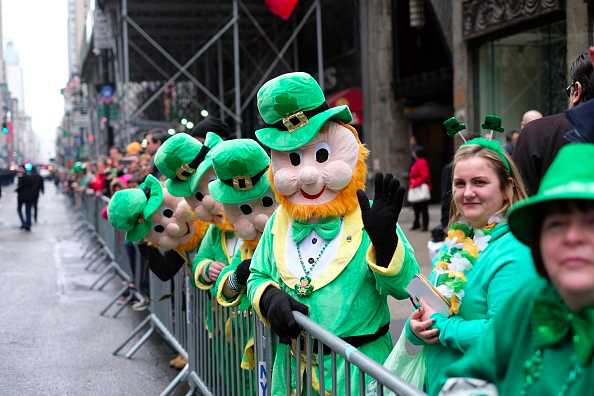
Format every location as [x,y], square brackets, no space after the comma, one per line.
[137,330]
[100,263]
[103,274]
[176,381]
[116,298]
[113,275]
[94,260]
[141,342]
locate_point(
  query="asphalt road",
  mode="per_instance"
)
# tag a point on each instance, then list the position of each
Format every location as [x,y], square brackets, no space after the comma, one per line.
[52,339]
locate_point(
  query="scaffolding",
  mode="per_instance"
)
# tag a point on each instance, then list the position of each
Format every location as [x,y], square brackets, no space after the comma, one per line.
[173,59]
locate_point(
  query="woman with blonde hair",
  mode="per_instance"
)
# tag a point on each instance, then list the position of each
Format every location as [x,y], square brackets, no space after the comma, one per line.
[542,340]
[481,263]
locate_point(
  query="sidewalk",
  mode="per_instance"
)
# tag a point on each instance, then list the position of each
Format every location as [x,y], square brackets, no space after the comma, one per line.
[52,339]
[401,310]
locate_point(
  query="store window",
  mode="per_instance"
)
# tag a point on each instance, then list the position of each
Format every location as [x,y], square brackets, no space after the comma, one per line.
[526,71]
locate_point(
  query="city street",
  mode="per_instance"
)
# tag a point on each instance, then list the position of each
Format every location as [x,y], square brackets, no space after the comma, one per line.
[52,339]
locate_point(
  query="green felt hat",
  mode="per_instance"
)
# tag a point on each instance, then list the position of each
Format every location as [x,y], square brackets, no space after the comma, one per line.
[183,160]
[130,210]
[241,166]
[294,108]
[570,176]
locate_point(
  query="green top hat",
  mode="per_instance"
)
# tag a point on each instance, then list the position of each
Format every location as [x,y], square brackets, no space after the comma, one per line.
[570,176]
[493,123]
[242,170]
[130,210]
[294,108]
[453,126]
[184,160]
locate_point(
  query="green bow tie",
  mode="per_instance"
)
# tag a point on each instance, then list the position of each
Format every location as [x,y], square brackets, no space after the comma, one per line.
[552,321]
[327,228]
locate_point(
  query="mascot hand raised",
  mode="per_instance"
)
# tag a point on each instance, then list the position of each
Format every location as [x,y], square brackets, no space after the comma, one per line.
[187,164]
[381,218]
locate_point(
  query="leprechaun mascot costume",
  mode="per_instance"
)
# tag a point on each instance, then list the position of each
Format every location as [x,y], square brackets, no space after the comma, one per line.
[325,252]
[244,190]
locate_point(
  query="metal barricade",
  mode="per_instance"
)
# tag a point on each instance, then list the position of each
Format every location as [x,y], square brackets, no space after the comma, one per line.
[230,352]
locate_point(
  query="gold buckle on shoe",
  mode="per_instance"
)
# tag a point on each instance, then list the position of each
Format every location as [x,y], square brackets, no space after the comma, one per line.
[292,127]
[247,181]
[182,169]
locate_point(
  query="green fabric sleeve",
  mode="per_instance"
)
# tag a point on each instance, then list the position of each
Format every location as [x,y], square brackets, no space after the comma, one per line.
[395,285]
[500,282]
[262,267]
[231,267]
[206,251]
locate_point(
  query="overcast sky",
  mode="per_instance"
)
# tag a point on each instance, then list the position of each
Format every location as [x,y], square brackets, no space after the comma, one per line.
[38,29]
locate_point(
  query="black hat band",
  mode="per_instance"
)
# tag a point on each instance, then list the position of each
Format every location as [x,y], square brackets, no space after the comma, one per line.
[297,120]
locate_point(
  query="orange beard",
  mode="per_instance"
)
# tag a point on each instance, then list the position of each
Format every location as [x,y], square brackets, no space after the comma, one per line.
[251,245]
[193,243]
[345,202]
[226,226]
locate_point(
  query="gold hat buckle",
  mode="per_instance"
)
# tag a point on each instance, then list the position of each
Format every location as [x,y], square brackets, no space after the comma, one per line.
[303,121]
[247,180]
[182,169]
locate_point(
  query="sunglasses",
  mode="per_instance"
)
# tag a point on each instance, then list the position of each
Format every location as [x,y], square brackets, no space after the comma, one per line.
[568,89]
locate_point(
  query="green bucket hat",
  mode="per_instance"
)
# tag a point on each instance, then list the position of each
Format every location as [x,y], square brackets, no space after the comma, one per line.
[130,210]
[570,176]
[241,166]
[184,160]
[294,108]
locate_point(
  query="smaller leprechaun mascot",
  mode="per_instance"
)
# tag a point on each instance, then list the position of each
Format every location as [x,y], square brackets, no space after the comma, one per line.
[244,190]
[325,252]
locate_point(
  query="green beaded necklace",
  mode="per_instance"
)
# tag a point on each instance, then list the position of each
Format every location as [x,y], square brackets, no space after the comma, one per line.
[533,370]
[304,288]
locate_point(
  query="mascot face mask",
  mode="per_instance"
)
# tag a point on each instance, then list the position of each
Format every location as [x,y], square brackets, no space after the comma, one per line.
[204,205]
[173,223]
[187,164]
[315,173]
[249,218]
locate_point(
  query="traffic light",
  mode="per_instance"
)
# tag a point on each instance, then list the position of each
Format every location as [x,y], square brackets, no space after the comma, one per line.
[4,128]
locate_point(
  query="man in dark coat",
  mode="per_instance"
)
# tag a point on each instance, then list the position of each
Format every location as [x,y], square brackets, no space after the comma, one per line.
[26,196]
[541,139]
[37,181]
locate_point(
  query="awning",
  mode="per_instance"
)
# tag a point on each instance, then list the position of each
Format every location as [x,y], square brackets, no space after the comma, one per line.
[351,97]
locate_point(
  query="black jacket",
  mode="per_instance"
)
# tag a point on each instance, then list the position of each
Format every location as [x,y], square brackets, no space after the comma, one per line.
[537,147]
[25,188]
[165,265]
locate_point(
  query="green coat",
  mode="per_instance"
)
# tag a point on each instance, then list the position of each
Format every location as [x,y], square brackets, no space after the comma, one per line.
[348,299]
[500,355]
[212,248]
[500,269]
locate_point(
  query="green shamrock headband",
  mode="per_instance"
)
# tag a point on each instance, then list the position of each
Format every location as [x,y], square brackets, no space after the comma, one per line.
[492,123]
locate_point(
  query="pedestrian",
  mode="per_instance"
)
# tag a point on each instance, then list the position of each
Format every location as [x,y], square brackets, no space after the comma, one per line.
[154,139]
[541,139]
[419,175]
[510,141]
[25,196]
[528,116]
[540,342]
[481,263]
[37,181]
[211,124]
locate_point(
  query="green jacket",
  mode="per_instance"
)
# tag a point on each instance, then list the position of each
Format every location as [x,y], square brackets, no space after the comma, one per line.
[212,248]
[500,355]
[348,299]
[500,269]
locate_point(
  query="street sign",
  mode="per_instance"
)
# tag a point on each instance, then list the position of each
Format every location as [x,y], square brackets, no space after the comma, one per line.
[102,36]
[106,93]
